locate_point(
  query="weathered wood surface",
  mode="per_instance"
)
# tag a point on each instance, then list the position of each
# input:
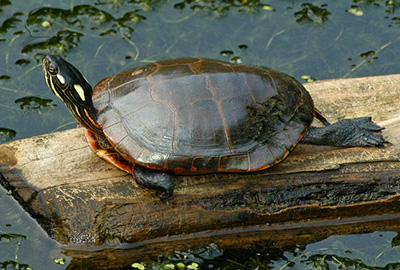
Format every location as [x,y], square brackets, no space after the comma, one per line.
[79,199]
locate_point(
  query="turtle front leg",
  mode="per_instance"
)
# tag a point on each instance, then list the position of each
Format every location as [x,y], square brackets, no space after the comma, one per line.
[348,132]
[104,150]
[163,182]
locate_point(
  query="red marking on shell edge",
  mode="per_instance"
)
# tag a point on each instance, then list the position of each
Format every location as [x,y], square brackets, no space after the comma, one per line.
[91,140]
[234,171]
[179,170]
[155,71]
[101,86]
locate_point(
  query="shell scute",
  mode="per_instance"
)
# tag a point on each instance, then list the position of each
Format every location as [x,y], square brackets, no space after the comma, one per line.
[193,115]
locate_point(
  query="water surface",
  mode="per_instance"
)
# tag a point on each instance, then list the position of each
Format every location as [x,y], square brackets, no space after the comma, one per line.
[322,39]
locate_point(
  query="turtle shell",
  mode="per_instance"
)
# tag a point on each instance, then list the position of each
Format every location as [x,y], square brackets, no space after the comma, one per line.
[193,116]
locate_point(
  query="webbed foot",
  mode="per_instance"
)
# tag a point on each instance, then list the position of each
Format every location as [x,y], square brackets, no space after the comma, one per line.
[362,132]
[163,182]
[348,132]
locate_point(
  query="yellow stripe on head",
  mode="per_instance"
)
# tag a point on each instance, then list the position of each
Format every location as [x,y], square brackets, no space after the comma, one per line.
[80,91]
[54,89]
[60,78]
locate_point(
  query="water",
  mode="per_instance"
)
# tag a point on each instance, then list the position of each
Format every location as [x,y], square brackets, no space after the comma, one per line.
[324,40]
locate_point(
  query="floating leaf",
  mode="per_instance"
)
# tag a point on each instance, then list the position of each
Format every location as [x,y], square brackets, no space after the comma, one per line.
[307,78]
[366,54]
[5,3]
[10,22]
[60,261]
[193,266]
[139,266]
[268,7]
[226,53]
[34,103]
[355,11]
[236,60]
[5,135]
[180,266]
[14,265]
[22,62]
[312,13]
[62,42]
[45,24]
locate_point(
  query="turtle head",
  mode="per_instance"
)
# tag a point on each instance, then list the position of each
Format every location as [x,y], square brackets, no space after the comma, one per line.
[68,84]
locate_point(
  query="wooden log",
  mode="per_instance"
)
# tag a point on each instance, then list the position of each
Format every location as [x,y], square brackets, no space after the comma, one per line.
[79,199]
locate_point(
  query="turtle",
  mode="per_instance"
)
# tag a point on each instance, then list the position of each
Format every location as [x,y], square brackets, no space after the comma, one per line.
[189,116]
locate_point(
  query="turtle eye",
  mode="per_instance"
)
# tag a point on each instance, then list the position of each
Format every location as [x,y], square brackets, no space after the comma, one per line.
[52,70]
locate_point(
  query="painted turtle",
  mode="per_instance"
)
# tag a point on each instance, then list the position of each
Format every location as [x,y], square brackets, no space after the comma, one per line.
[197,116]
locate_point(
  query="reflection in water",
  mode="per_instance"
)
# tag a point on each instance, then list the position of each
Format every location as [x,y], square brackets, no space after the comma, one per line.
[63,41]
[22,62]
[6,134]
[370,251]
[222,7]
[312,13]
[234,58]
[33,103]
[79,17]
[11,23]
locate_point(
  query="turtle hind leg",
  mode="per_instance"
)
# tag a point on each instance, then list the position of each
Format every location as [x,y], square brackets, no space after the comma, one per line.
[163,182]
[348,132]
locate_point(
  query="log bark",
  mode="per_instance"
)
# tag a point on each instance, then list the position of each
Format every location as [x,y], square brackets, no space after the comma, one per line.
[79,199]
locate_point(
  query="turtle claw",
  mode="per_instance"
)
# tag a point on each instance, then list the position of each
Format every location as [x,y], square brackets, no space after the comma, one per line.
[366,123]
[348,133]
[362,132]
[163,182]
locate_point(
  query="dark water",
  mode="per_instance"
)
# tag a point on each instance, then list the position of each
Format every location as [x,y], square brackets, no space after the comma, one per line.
[325,39]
